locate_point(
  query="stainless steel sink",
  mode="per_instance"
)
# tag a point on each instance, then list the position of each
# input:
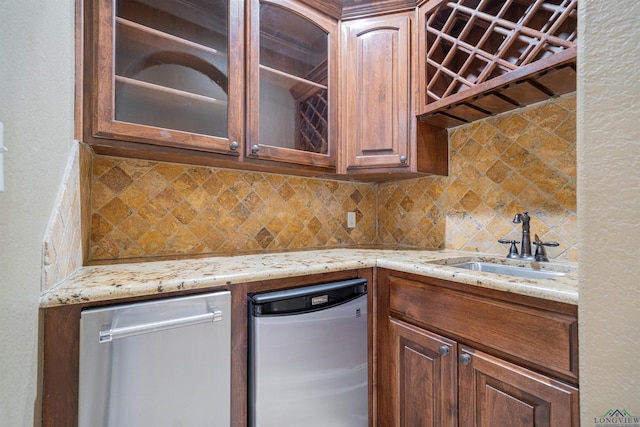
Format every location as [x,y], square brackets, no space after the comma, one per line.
[509,270]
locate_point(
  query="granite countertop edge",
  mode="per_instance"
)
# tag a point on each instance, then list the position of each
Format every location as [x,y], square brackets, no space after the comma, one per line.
[117,281]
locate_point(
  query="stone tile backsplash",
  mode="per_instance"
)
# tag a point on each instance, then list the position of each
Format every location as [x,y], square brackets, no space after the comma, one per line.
[523,160]
[146,209]
[63,240]
[519,161]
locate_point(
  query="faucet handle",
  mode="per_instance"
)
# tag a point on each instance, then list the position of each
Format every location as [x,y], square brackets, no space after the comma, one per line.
[541,254]
[513,250]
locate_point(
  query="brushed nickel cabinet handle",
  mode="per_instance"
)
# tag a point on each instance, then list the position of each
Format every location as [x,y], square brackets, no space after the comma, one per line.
[465,359]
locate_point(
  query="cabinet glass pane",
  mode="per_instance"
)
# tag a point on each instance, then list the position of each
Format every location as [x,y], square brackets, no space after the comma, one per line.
[171,64]
[293,81]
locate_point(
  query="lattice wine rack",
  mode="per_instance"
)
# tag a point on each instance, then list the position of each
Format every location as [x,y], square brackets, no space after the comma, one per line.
[474,49]
[312,111]
[312,126]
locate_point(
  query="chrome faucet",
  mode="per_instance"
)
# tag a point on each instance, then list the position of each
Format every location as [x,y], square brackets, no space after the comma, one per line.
[525,247]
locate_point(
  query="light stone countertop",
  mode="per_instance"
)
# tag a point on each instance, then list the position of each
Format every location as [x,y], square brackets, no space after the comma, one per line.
[113,282]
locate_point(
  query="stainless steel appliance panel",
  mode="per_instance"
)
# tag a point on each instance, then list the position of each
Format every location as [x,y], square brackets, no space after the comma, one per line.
[310,369]
[157,363]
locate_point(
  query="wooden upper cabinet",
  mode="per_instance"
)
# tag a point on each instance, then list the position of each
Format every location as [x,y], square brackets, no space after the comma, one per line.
[165,73]
[376,131]
[292,96]
[483,57]
[380,136]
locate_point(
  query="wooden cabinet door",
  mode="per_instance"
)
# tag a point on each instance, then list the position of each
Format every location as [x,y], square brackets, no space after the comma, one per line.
[423,389]
[495,393]
[292,97]
[165,73]
[376,82]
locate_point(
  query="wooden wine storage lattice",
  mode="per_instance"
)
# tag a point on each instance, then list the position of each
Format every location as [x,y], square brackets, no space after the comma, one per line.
[483,57]
[312,125]
[312,111]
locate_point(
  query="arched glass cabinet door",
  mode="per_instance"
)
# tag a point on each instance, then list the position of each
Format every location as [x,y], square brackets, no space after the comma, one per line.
[292,97]
[169,73]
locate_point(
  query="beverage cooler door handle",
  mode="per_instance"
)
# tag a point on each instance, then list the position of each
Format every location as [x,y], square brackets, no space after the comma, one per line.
[108,335]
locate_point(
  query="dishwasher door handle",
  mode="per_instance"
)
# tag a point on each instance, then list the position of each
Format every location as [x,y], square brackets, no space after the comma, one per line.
[215,315]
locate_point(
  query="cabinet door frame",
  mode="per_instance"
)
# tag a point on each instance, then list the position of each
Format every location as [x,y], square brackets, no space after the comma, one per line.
[486,381]
[271,152]
[412,345]
[401,144]
[100,83]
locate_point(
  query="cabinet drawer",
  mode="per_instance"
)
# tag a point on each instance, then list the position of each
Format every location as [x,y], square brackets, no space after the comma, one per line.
[543,339]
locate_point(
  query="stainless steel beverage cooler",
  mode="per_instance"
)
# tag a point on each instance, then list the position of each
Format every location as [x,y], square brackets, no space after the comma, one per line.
[308,356]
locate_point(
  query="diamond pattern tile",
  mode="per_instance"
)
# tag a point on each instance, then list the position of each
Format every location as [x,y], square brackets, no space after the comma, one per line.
[524,160]
[146,209]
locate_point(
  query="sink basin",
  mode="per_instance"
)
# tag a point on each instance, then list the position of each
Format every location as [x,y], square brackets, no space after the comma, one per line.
[509,270]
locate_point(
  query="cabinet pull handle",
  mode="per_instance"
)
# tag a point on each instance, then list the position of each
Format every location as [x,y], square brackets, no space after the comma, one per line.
[465,359]
[255,149]
[443,350]
[234,146]
[403,159]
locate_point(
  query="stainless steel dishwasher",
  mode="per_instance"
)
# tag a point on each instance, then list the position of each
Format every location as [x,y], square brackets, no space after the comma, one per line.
[308,356]
[157,363]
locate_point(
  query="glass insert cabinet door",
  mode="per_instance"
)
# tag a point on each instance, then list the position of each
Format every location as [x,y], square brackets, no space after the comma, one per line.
[292,97]
[169,72]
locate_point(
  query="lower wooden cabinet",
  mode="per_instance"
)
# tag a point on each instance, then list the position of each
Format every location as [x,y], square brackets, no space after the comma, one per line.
[440,354]
[432,373]
[425,370]
[494,393]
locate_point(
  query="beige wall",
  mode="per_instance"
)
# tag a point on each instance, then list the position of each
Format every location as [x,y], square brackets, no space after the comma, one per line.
[609,206]
[36,107]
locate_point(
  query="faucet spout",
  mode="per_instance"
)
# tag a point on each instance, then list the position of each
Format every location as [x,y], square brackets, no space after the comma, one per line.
[525,248]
